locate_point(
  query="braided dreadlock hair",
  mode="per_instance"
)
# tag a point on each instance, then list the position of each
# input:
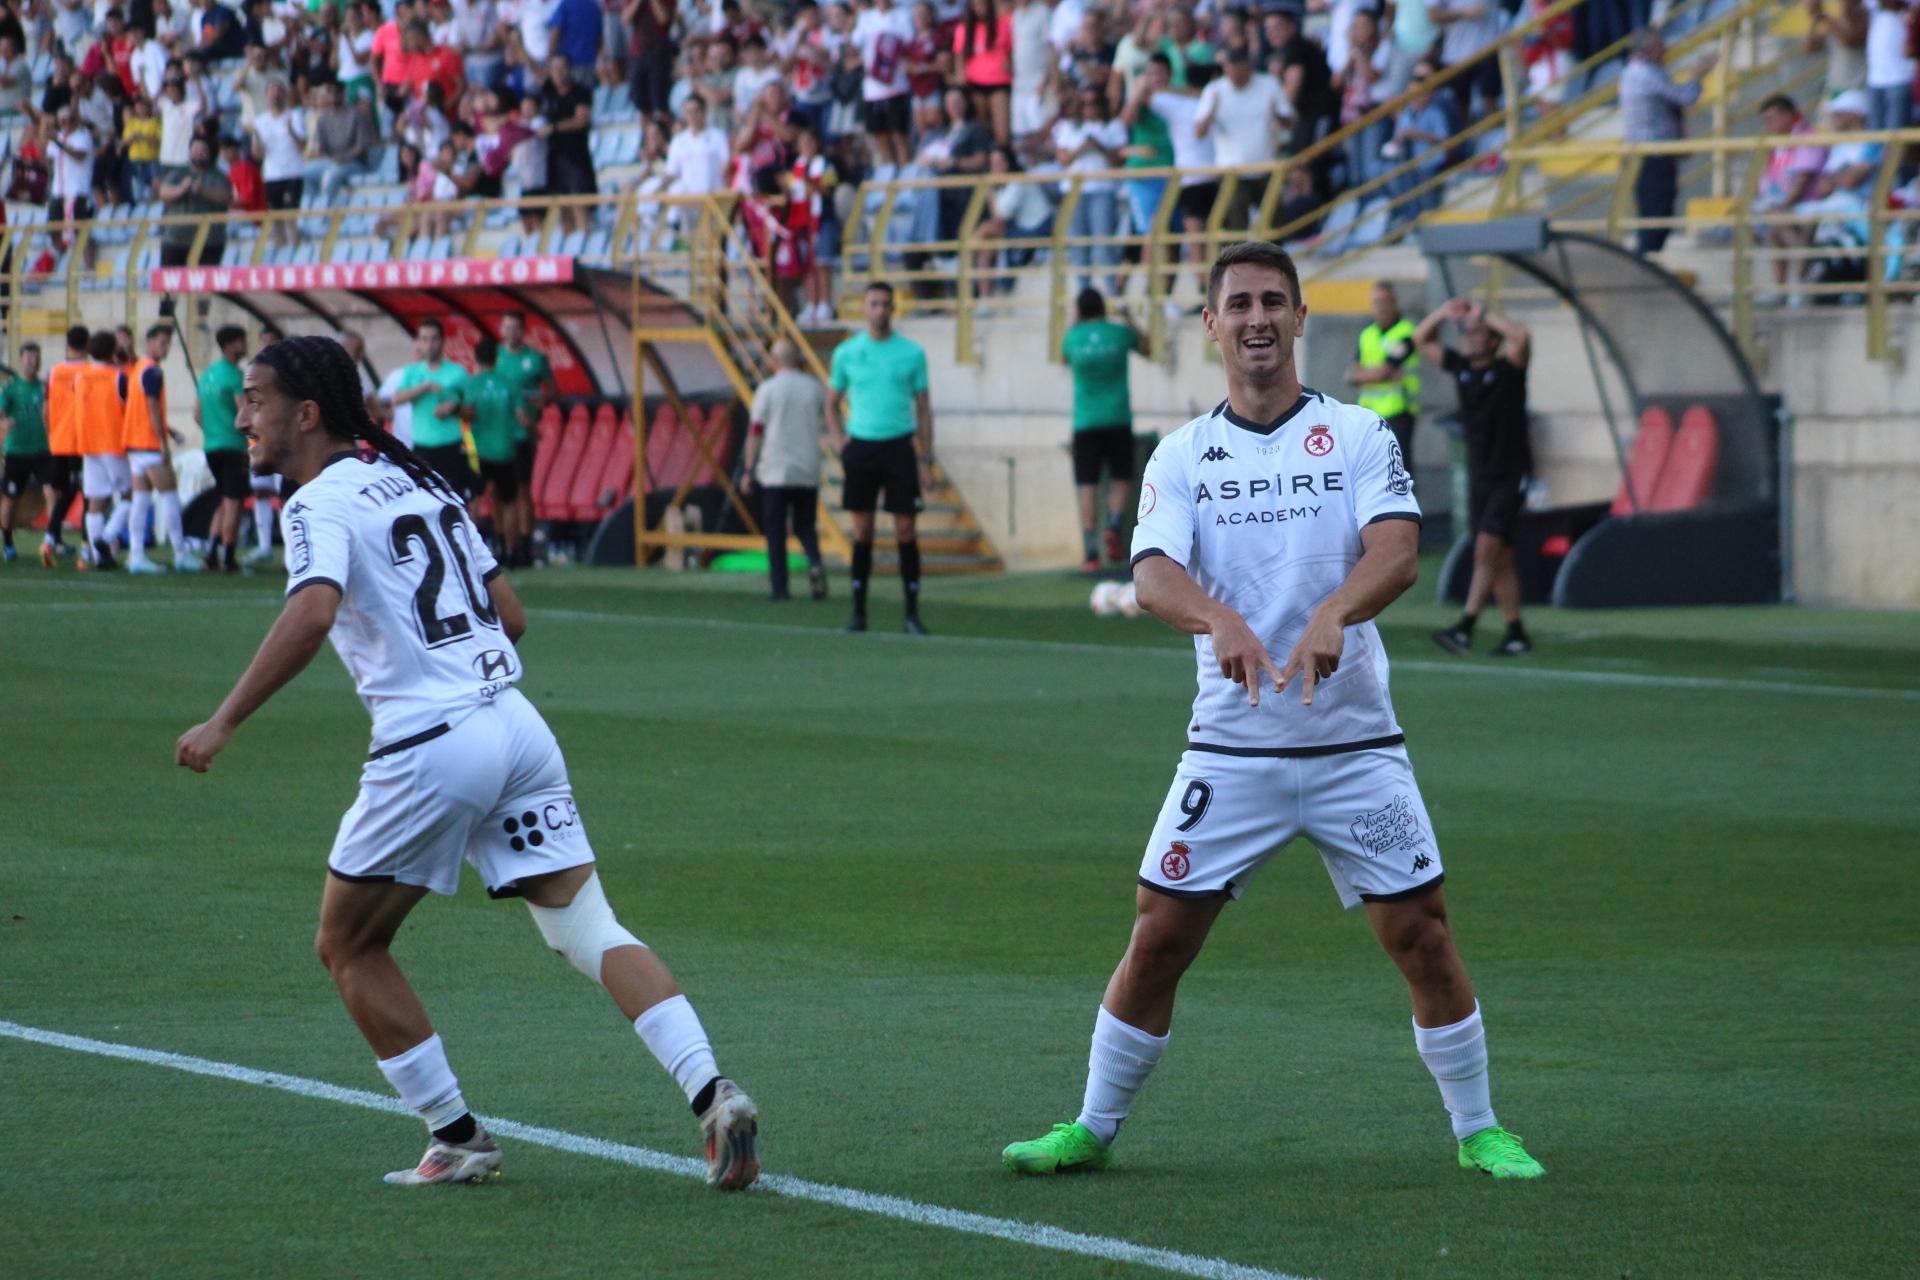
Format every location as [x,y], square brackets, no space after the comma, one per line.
[320,370]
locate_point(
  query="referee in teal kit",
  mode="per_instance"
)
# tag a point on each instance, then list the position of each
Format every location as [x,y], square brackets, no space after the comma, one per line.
[877,411]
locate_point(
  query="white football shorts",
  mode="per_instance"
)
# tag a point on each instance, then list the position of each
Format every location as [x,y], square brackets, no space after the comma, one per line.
[102,475]
[141,461]
[1225,815]
[492,789]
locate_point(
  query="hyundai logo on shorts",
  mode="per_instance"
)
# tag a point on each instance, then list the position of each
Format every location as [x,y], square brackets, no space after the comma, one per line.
[493,664]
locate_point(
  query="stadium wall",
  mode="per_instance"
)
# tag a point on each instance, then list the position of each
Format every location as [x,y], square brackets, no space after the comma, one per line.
[1003,426]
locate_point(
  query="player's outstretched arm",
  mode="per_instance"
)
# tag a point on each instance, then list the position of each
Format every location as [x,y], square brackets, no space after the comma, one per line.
[1389,565]
[1165,590]
[295,637]
[506,603]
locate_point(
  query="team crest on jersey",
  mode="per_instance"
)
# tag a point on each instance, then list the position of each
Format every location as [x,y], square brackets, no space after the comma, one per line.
[1319,441]
[1177,861]
[1148,497]
[1395,826]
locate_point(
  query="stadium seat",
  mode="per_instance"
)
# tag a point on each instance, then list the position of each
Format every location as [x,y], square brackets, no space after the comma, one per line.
[1687,478]
[1645,457]
[584,493]
[551,500]
[620,467]
[546,441]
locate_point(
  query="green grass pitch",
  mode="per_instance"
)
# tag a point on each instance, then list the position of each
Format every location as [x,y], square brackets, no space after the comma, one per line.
[894,876]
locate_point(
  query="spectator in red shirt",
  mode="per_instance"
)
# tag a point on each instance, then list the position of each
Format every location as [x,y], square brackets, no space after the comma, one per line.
[112,52]
[386,60]
[926,70]
[249,188]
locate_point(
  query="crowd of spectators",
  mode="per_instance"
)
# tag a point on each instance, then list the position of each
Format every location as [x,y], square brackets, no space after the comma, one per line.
[205,107]
[781,100]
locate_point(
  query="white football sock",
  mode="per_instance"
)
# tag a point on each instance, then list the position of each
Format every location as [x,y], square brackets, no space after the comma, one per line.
[137,526]
[263,522]
[96,528]
[1120,1061]
[117,518]
[171,521]
[425,1082]
[1457,1057]
[673,1034]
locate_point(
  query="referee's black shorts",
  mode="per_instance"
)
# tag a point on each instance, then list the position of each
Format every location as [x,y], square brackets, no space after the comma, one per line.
[450,461]
[232,473]
[876,466]
[1103,447]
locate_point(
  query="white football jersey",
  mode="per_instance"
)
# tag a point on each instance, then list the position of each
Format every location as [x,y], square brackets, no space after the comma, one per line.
[1266,517]
[416,629]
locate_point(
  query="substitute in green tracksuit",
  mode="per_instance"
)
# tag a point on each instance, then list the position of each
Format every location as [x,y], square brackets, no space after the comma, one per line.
[1386,368]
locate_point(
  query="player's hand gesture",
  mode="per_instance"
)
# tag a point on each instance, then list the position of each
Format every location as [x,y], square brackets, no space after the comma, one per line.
[1242,657]
[1317,653]
[199,745]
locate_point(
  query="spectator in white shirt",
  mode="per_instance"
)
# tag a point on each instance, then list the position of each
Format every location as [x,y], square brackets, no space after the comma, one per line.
[1241,112]
[1889,69]
[280,145]
[16,77]
[1466,28]
[1084,142]
[535,36]
[148,62]
[697,156]
[882,35]
[755,73]
[71,193]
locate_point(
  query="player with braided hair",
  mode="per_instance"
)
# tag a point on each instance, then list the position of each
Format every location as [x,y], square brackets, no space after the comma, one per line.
[383,559]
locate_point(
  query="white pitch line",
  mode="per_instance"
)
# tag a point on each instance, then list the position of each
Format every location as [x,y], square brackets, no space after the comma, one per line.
[1037,1235]
[1567,675]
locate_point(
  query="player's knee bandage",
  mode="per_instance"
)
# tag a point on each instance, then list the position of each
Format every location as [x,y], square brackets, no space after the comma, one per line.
[584,930]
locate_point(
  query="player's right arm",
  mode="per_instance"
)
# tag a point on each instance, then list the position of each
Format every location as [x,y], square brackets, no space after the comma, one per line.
[290,645]
[1163,547]
[513,617]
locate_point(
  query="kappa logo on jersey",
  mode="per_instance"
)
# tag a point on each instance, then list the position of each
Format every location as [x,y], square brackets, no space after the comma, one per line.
[299,546]
[1386,829]
[554,820]
[1319,442]
[493,664]
[1215,454]
[1399,483]
[1177,861]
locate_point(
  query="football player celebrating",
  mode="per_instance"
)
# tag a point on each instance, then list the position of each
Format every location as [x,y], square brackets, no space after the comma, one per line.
[383,559]
[1281,523]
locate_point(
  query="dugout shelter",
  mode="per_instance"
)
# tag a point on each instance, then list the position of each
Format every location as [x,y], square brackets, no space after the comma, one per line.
[649,417]
[1697,517]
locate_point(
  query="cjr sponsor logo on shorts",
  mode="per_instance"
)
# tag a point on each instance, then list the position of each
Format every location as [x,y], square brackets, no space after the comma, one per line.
[1393,827]
[554,820]
[493,664]
[1177,861]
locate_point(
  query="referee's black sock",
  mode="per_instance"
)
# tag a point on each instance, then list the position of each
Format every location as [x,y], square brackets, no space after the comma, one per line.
[910,576]
[1466,622]
[862,570]
[6,538]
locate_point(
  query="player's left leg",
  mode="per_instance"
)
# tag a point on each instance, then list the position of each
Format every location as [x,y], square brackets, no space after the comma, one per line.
[573,915]
[172,522]
[1447,1029]
[1367,817]
[906,539]
[358,921]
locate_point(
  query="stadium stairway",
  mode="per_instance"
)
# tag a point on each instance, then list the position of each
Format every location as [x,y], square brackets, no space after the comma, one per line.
[746,315]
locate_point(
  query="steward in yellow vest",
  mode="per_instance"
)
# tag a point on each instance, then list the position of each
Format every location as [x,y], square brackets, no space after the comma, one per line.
[1385,368]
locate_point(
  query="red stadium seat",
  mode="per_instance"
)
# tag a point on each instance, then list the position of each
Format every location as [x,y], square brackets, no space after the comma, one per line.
[619,478]
[1645,458]
[550,499]
[1687,478]
[665,441]
[582,495]
[547,434]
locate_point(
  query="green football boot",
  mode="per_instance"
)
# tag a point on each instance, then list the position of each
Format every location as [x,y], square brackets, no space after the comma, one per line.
[1497,1152]
[1068,1147]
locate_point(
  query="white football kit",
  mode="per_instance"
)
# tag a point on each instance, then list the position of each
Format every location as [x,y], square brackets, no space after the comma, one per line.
[1266,518]
[462,765]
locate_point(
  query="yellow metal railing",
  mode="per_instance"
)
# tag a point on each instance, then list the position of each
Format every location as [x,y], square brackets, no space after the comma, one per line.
[1884,248]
